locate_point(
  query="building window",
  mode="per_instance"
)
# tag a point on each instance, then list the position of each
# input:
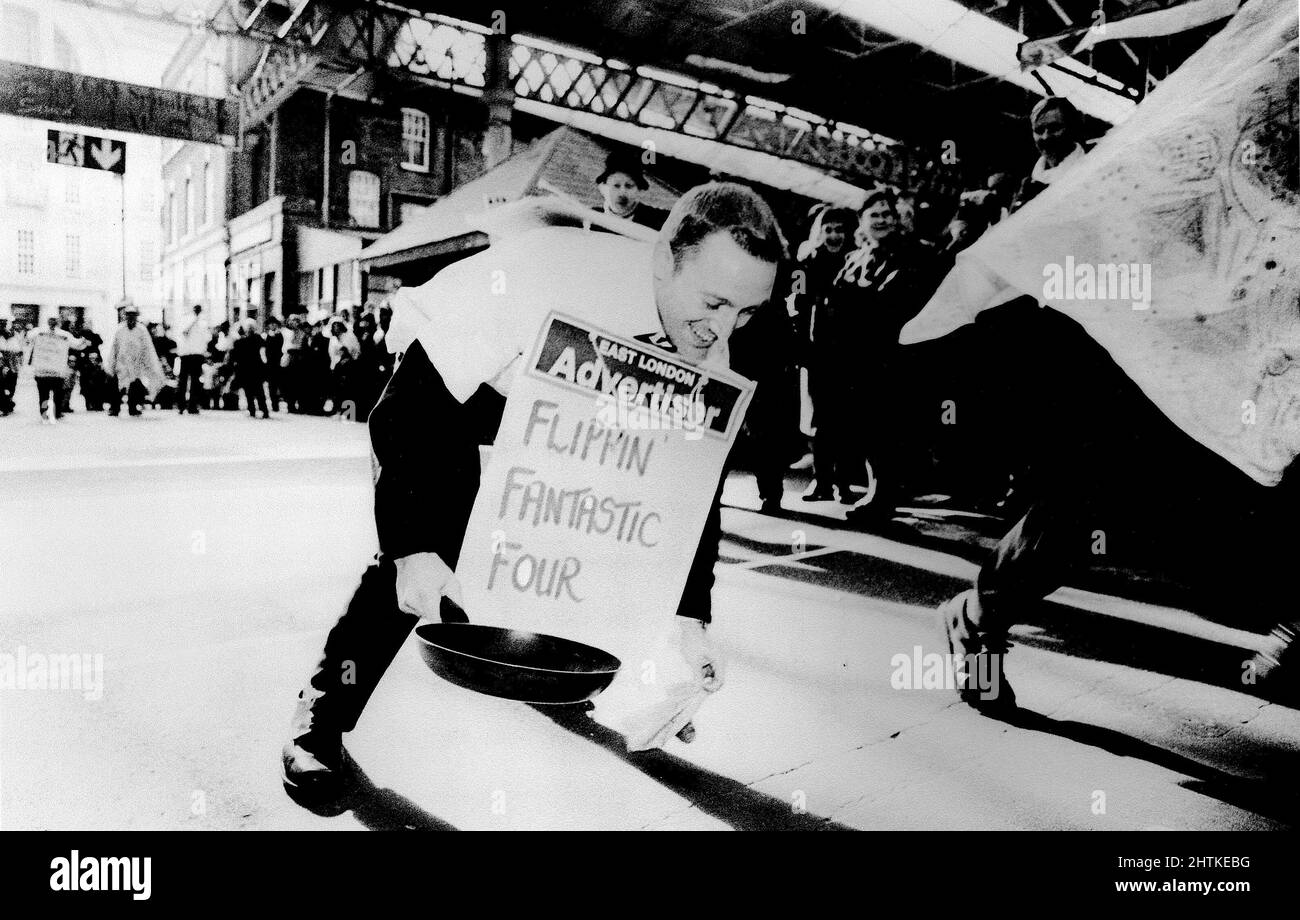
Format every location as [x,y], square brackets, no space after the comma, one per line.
[26,252]
[415,140]
[72,255]
[189,206]
[173,218]
[208,195]
[363,198]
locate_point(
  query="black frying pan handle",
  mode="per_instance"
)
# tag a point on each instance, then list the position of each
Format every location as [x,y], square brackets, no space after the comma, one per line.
[451,612]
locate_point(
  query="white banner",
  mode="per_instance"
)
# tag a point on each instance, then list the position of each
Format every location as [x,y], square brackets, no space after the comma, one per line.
[1176,244]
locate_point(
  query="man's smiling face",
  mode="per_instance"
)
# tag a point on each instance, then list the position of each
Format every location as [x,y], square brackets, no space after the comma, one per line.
[714,291]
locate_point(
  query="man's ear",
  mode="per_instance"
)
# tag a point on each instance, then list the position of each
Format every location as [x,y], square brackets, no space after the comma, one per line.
[663,261]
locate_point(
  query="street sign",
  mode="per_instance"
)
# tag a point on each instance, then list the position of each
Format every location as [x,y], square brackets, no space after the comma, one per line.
[68,148]
[110,105]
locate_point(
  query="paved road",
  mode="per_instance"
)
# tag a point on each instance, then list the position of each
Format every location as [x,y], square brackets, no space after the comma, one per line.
[204,558]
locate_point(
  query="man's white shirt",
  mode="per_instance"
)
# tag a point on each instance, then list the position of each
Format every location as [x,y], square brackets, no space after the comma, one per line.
[476,317]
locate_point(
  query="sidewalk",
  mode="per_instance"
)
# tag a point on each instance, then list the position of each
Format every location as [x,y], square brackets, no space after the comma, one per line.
[932,522]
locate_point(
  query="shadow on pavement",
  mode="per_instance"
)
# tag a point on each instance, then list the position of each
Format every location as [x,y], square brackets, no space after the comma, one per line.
[376,809]
[728,800]
[1253,795]
[1052,626]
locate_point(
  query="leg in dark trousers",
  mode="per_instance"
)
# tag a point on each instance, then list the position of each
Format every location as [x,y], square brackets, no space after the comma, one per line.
[273,387]
[189,382]
[49,389]
[135,397]
[358,650]
[8,383]
[254,394]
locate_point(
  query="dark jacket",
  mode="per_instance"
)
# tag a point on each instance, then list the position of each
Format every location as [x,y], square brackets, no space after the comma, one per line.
[246,359]
[643,214]
[425,487]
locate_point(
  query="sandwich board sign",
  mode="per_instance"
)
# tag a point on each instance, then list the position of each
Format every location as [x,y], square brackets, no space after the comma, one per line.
[593,499]
[68,148]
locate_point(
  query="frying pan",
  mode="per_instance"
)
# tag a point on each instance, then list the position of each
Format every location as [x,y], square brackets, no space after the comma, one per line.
[514,664]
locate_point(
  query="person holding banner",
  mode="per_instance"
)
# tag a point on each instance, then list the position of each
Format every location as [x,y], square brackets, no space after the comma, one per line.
[462,337]
[49,361]
[1175,246]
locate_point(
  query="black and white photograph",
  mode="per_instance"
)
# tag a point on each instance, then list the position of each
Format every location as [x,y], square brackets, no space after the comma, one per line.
[650,415]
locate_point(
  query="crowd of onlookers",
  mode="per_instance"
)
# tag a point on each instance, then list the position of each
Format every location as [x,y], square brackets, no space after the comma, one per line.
[332,365]
[857,277]
[828,364]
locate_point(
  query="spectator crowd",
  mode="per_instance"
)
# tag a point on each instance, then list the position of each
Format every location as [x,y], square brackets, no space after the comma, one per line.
[335,365]
[836,390]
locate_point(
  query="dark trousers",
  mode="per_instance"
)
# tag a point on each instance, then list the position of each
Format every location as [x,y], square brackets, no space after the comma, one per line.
[358,650]
[189,381]
[836,461]
[255,393]
[1117,484]
[273,383]
[49,389]
[8,383]
[135,397]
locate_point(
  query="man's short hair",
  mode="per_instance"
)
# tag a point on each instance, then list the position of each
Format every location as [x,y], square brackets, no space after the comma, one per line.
[1058,103]
[880,194]
[724,207]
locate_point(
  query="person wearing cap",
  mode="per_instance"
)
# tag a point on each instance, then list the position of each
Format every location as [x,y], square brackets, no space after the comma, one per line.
[711,269]
[622,186]
[134,362]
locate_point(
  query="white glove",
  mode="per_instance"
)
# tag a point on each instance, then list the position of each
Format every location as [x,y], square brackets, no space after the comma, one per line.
[423,579]
[704,660]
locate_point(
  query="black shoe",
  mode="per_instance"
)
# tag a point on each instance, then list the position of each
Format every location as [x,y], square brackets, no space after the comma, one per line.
[192,411]
[316,770]
[818,494]
[978,658]
[848,496]
[770,506]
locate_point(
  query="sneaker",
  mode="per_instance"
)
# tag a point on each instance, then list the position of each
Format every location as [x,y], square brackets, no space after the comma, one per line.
[978,658]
